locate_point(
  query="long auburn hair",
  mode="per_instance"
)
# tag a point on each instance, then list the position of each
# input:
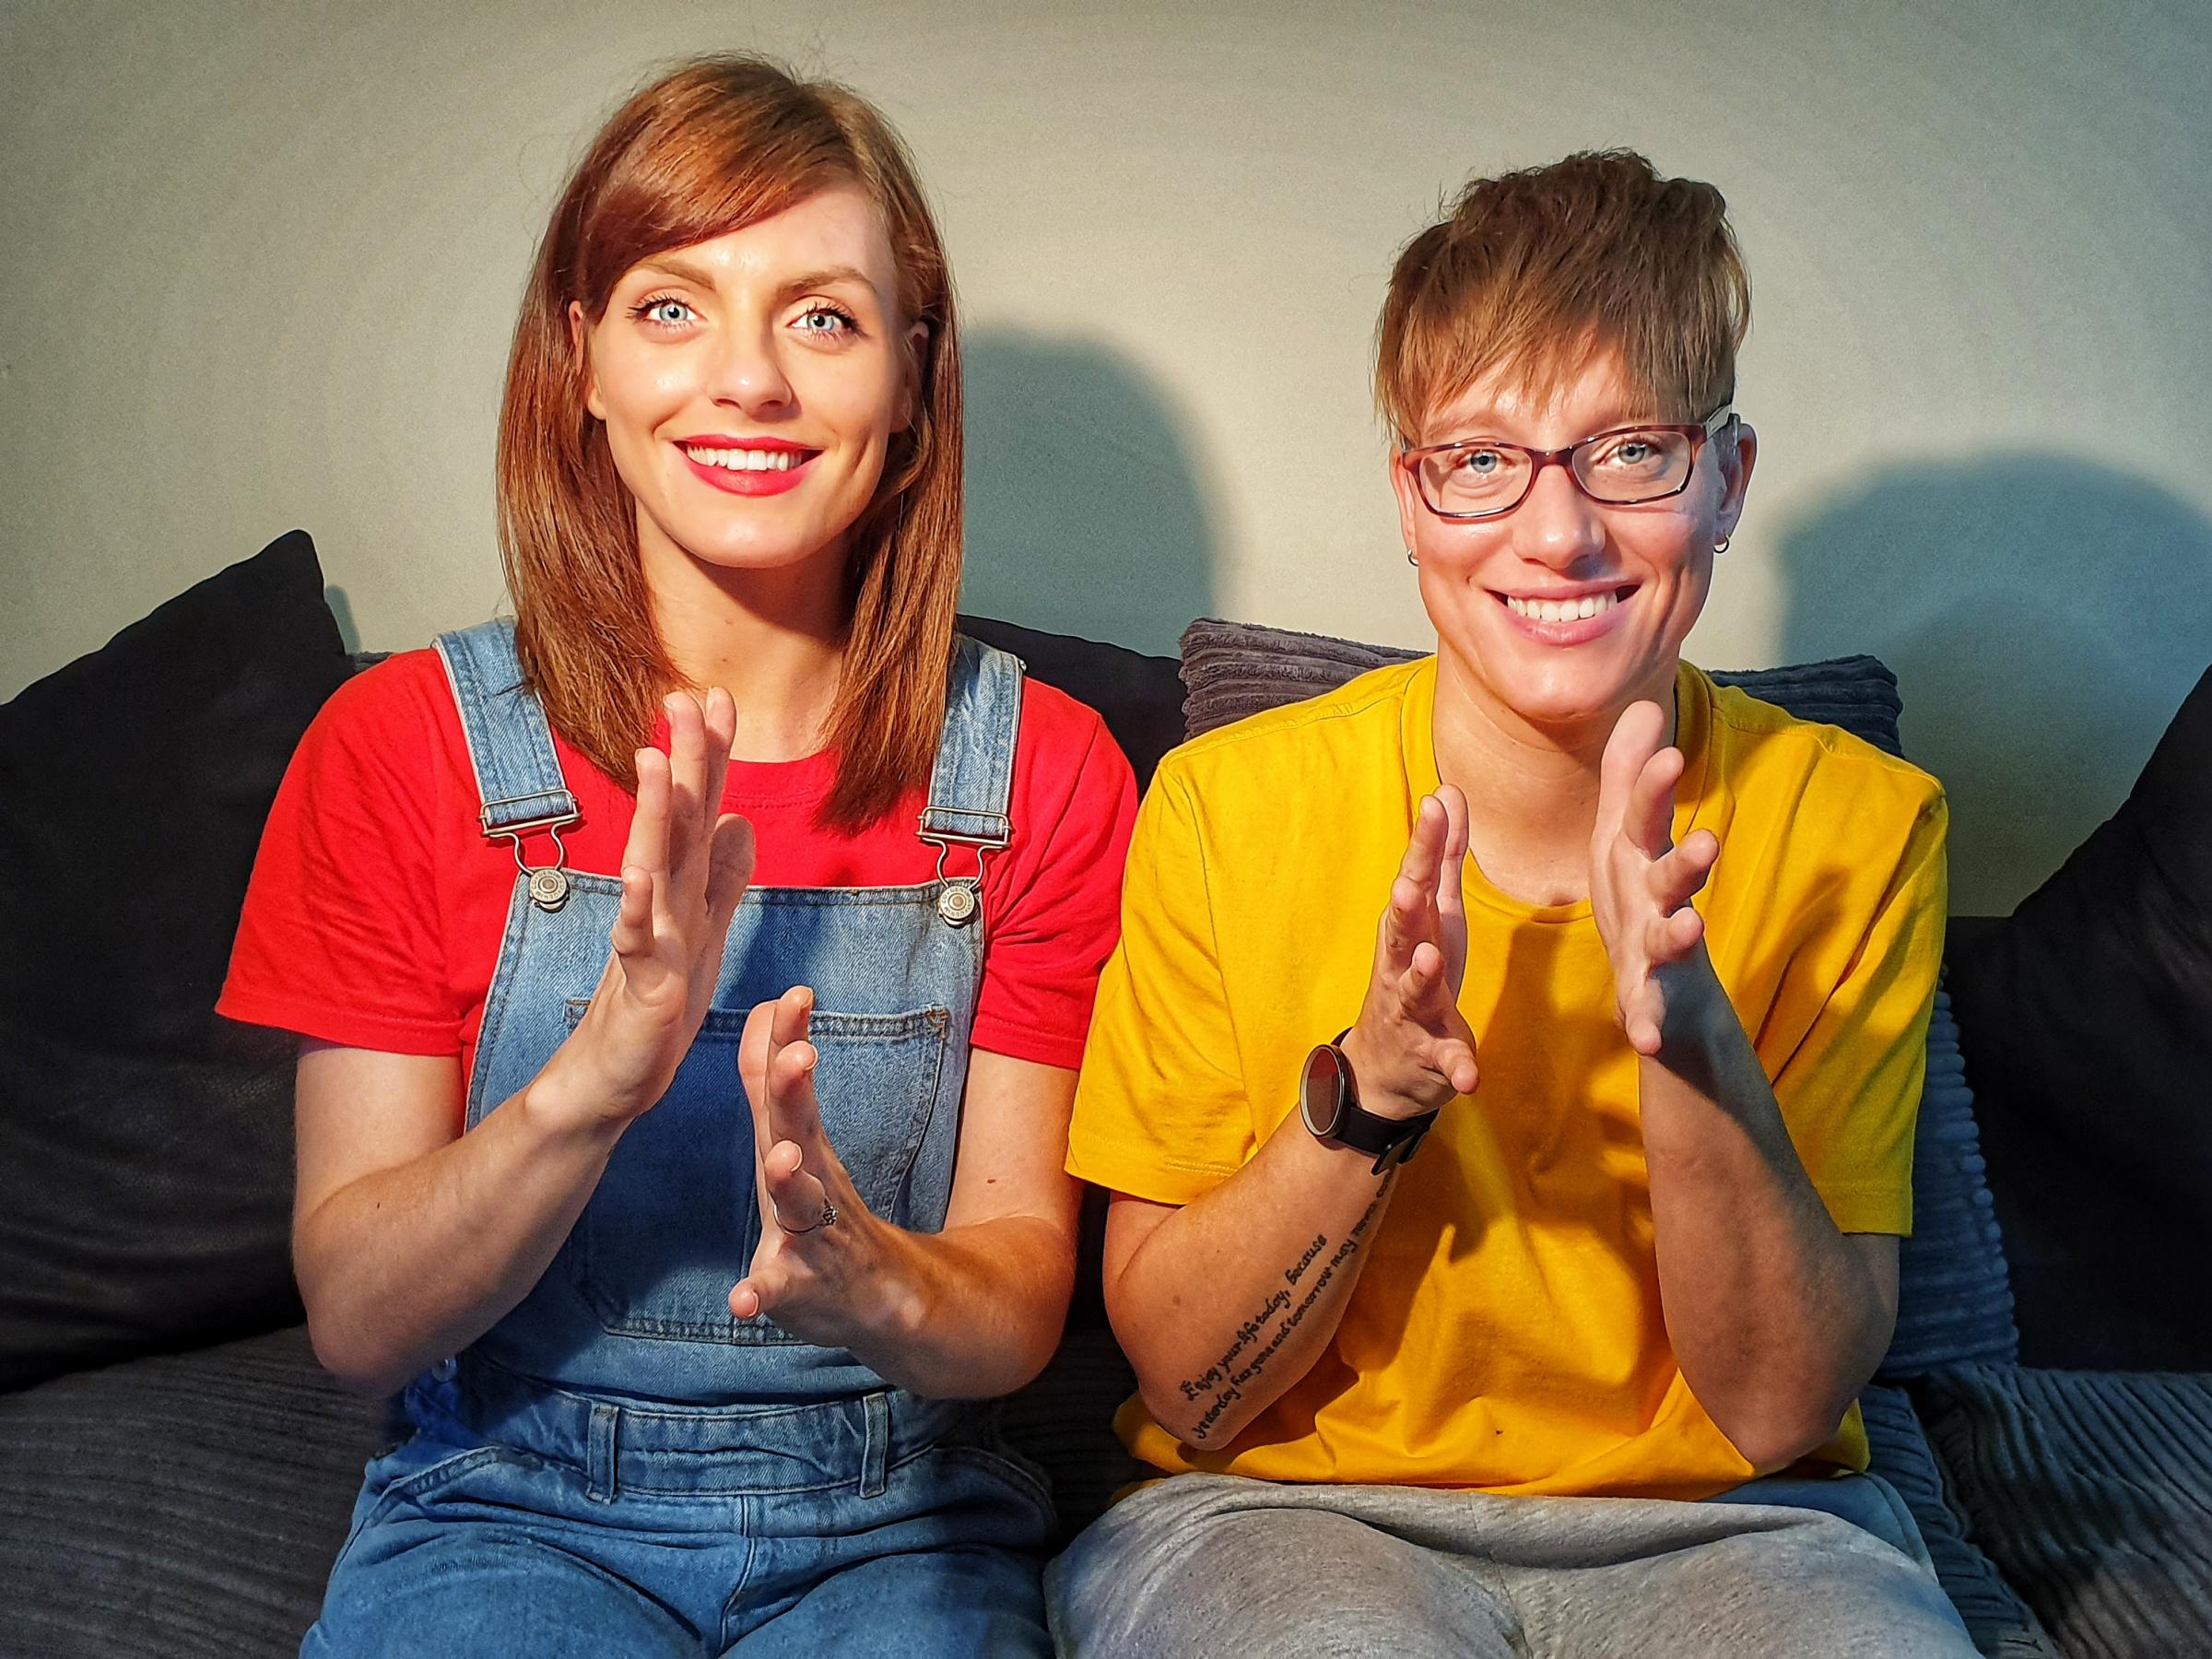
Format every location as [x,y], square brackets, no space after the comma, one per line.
[719,144]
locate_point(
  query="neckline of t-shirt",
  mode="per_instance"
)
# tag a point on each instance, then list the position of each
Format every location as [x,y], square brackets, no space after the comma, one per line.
[799,783]
[803,781]
[1417,736]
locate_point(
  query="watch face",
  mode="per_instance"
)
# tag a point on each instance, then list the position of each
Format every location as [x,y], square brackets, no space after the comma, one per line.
[1320,1091]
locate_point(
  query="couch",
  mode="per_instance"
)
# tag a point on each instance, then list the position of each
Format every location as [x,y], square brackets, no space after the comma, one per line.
[176,1473]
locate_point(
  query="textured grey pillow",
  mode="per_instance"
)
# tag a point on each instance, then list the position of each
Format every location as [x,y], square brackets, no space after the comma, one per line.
[1998,1621]
[1232,669]
[2091,1491]
[181,1505]
[1954,1298]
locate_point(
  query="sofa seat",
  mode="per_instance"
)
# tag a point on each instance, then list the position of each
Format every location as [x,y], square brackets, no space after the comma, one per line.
[181,1505]
[2092,1493]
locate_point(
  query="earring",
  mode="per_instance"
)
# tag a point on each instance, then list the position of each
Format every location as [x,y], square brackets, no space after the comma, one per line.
[1721,547]
[1410,559]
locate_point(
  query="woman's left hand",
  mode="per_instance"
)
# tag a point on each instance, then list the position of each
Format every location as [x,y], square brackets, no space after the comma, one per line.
[1641,883]
[817,1271]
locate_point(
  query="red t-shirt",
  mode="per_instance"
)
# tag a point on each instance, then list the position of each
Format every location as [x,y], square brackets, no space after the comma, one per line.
[374,916]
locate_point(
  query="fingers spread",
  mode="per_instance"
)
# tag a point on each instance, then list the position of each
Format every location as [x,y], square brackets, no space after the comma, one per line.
[730,868]
[632,933]
[1425,847]
[1637,736]
[799,1198]
[793,1112]
[1680,875]
[687,776]
[1648,820]
[648,844]
[718,731]
[1452,1058]
[759,1291]
[1450,887]
[753,1049]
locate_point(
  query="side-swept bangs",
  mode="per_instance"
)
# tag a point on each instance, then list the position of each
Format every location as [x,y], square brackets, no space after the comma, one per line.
[1531,273]
[719,144]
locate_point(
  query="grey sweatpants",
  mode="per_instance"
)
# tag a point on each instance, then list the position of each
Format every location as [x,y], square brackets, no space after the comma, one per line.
[1217,1565]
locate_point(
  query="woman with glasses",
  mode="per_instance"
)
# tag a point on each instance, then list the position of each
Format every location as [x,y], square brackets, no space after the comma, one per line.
[1507,1074]
[692,972]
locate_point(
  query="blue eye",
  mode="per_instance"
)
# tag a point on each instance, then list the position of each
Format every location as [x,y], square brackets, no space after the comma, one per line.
[662,311]
[828,320]
[1480,464]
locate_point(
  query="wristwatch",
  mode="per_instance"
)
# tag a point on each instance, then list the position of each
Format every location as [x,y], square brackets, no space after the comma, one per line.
[1328,1099]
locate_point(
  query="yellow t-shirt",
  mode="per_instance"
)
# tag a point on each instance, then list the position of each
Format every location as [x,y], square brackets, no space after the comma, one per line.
[1506,1332]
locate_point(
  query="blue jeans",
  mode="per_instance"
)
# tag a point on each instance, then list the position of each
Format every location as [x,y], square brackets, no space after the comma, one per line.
[821,1529]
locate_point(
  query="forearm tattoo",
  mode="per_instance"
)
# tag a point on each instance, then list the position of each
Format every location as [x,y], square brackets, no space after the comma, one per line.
[1271,1326]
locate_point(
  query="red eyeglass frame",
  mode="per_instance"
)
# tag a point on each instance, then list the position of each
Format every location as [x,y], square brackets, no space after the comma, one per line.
[1699,433]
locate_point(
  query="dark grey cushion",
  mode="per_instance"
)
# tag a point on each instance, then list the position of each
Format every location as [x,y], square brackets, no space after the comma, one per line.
[146,1147]
[1954,1300]
[1232,669]
[181,1505]
[2092,1493]
[2000,1622]
[2088,1037]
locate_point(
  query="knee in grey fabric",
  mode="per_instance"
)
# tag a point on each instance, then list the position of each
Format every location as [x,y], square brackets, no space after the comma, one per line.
[1204,1566]
[1208,1565]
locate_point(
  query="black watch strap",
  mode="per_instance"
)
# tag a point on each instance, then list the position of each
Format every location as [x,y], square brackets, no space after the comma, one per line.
[1391,1141]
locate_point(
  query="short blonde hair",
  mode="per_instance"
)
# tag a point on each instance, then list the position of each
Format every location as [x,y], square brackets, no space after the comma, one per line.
[1532,271]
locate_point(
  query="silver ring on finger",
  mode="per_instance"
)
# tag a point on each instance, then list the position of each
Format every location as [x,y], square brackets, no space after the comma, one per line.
[828,1219]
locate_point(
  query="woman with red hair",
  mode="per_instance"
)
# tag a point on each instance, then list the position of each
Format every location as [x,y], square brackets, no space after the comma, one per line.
[686,1281]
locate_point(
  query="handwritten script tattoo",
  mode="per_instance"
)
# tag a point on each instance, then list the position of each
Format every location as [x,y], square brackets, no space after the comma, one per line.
[1242,1361]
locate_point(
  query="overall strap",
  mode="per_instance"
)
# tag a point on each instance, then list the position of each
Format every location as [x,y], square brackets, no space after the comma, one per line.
[518,776]
[973,781]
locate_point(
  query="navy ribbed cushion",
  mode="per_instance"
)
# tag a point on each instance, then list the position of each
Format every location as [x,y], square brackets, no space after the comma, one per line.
[2092,1493]
[2000,1622]
[1954,1298]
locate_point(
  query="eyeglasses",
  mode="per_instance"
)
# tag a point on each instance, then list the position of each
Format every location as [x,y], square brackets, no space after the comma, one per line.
[1482,477]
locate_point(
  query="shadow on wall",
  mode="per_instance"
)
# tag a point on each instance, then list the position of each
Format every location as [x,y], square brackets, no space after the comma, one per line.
[2045,617]
[1084,516]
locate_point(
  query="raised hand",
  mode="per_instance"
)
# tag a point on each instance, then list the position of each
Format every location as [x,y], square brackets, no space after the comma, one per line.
[1412,1050]
[816,1269]
[685,866]
[1641,883]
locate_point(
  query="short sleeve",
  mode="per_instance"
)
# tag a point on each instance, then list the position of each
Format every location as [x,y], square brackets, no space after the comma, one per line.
[1052,906]
[1850,1090]
[339,938]
[1160,1109]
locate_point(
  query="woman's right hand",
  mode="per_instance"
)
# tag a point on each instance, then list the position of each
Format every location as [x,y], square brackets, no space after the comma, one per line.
[1412,1050]
[685,868]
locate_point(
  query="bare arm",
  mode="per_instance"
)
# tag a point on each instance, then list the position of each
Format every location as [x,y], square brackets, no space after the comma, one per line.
[1776,1318]
[1224,1303]
[969,1312]
[411,1239]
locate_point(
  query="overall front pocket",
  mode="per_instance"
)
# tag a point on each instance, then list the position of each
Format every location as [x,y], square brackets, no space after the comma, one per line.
[674,1221]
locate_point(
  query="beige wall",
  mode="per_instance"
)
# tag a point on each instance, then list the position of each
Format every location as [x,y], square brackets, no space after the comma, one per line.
[258,264]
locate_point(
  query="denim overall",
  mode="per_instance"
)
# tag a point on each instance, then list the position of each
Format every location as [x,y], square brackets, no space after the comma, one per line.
[621,1465]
